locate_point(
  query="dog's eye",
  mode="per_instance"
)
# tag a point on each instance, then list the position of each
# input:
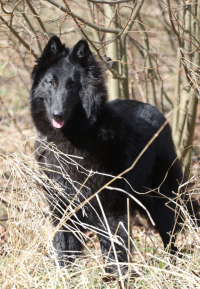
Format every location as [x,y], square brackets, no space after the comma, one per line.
[52,82]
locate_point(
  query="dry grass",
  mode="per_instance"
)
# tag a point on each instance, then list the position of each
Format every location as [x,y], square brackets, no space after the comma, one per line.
[28,257]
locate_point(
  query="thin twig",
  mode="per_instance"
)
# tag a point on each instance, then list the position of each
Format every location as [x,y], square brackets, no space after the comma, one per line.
[189,53]
[21,40]
[75,16]
[186,5]
[137,6]
[187,32]
[68,10]
[32,29]
[38,18]
[10,13]
[150,69]
[109,2]
[178,37]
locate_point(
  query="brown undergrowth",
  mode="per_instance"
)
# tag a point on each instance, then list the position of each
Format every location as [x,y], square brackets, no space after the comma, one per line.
[28,259]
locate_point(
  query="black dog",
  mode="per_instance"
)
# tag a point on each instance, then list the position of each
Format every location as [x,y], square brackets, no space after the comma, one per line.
[69,108]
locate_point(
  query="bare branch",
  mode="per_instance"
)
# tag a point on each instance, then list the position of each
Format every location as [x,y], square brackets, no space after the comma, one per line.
[37,17]
[191,36]
[134,15]
[191,12]
[68,10]
[179,39]
[150,69]
[21,40]
[10,13]
[33,30]
[75,16]
[109,2]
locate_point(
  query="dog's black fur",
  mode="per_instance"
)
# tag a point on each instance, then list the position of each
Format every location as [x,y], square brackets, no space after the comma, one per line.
[68,86]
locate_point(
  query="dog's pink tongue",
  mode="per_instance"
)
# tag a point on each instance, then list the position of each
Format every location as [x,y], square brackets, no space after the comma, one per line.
[57,123]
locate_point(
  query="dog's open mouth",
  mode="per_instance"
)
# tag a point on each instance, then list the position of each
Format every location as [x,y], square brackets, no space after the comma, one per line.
[58,123]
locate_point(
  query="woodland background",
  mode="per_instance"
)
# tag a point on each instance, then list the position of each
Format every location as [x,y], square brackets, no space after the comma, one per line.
[150,52]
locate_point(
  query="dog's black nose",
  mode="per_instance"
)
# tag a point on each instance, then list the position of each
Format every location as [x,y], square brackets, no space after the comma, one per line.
[58,115]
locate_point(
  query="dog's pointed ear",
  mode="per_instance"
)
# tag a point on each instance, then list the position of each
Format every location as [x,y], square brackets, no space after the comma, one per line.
[81,51]
[53,48]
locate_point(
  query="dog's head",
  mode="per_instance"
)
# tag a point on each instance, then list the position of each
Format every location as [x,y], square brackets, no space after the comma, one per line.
[66,83]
